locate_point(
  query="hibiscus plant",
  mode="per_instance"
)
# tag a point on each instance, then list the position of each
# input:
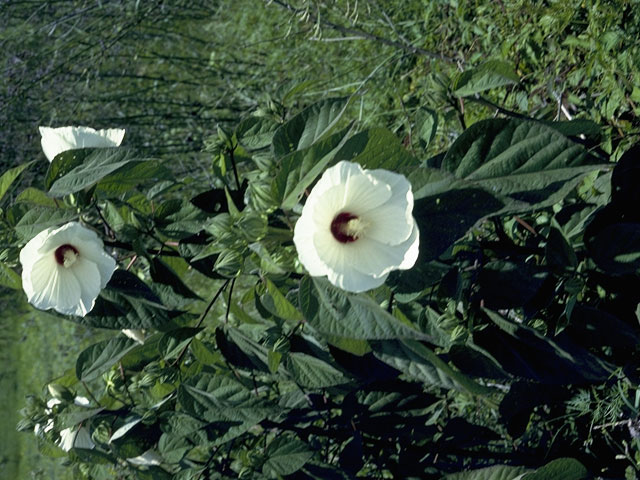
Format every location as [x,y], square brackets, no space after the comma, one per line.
[334,305]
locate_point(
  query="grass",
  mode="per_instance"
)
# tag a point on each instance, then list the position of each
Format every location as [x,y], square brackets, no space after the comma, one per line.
[35,350]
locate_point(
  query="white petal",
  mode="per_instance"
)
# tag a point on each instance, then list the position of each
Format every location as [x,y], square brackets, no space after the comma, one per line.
[88,244]
[30,252]
[81,401]
[375,258]
[331,253]
[137,335]
[72,233]
[353,281]
[148,458]
[303,234]
[391,223]
[88,277]
[105,263]
[53,402]
[67,437]
[83,439]
[58,140]
[363,193]
[388,224]
[72,438]
[48,285]
[412,249]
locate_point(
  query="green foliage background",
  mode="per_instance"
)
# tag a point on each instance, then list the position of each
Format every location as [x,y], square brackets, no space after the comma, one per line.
[171,72]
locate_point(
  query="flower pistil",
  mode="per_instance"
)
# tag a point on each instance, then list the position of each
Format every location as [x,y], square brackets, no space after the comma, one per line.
[347,227]
[66,255]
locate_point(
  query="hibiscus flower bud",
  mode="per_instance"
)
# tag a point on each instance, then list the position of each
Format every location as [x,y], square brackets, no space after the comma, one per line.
[58,140]
[357,226]
[65,269]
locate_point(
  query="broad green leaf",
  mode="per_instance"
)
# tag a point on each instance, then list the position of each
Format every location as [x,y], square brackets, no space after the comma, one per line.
[300,168]
[173,342]
[311,372]
[217,398]
[616,248]
[491,74]
[9,278]
[285,455]
[96,165]
[308,126]
[136,174]
[127,302]
[560,469]
[203,353]
[173,447]
[448,216]
[35,197]
[8,177]
[525,163]
[101,356]
[280,306]
[497,472]
[355,316]
[255,133]
[126,428]
[40,218]
[525,352]
[377,148]
[461,379]
[426,126]
[558,251]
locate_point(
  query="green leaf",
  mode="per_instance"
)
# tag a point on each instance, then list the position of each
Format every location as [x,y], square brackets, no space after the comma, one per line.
[558,252]
[377,148]
[101,356]
[526,164]
[135,174]
[279,305]
[311,372]
[174,341]
[491,74]
[616,248]
[255,133]
[308,126]
[355,316]
[523,351]
[34,196]
[9,278]
[96,165]
[426,126]
[497,472]
[217,398]
[444,218]
[8,177]
[300,168]
[285,455]
[419,363]
[560,469]
[127,302]
[462,380]
[40,218]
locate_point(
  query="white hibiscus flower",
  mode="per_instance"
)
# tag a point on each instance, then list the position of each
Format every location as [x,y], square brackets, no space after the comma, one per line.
[356,227]
[75,438]
[58,140]
[65,268]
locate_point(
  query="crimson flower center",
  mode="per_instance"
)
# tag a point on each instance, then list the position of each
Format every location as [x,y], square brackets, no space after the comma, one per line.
[66,255]
[346,227]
